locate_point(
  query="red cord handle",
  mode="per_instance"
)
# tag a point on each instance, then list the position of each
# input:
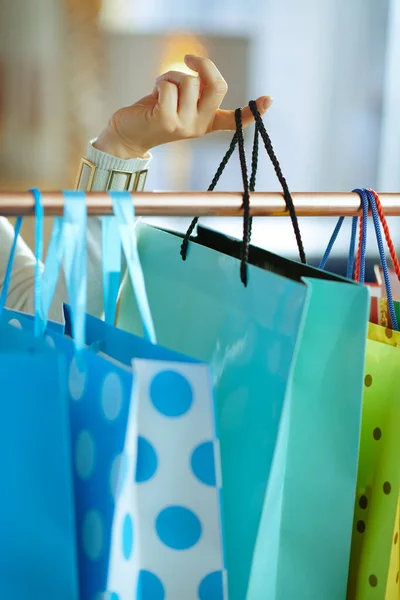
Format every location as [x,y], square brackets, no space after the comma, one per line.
[388,237]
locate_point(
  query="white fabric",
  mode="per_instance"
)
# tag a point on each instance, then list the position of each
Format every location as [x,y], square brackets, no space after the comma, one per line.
[20,295]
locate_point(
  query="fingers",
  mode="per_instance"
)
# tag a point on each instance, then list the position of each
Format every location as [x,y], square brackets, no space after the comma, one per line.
[167,97]
[225,119]
[189,91]
[215,86]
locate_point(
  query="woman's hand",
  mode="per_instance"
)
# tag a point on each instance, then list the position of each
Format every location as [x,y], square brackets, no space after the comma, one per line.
[181,106]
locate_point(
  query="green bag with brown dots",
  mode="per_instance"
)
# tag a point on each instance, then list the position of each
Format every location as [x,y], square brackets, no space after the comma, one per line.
[374,562]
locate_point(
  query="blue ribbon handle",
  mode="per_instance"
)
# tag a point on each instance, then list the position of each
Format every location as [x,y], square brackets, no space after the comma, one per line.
[52,268]
[111,266]
[75,262]
[39,217]
[10,264]
[125,216]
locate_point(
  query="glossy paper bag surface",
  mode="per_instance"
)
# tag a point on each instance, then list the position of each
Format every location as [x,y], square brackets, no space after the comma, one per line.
[306,525]
[375,547]
[37,542]
[248,335]
[202,304]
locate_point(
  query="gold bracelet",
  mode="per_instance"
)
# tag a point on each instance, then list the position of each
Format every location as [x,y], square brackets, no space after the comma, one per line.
[134,182]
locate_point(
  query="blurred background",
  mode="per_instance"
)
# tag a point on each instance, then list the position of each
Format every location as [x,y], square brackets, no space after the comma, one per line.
[332,67]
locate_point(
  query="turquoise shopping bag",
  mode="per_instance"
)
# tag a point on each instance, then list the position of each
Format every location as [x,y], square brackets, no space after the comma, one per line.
[269,347]
[37,542]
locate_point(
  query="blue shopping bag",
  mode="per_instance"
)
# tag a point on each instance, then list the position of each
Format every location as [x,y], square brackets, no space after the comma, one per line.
[37,542]
[98,402]
[129,481]
[270,346]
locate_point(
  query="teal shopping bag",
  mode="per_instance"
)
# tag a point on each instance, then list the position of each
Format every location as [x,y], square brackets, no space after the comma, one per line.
[254,338]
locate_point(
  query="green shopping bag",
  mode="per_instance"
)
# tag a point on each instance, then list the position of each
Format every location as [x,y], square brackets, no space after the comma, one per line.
[374,563]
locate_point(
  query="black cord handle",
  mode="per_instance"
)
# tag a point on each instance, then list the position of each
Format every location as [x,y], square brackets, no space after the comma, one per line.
[286,193]
[249,186]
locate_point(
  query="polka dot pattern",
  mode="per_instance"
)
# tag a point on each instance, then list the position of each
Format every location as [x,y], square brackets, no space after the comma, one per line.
[171,393]
[375,547]
[177,495]
[147,460]
[178,527]
[150,586]
[111,396]
[85,453]
[76,381]
[127,537]
[93,534]
[211,587]
[202,463]
[15,323]
[145,464]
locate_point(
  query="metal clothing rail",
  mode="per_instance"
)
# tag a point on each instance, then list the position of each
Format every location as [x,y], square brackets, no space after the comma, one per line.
[202,204]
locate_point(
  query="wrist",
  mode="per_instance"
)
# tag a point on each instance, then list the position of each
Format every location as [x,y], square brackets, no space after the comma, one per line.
[110,142]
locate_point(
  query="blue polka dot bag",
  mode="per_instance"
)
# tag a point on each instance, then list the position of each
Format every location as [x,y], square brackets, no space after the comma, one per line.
[146,465]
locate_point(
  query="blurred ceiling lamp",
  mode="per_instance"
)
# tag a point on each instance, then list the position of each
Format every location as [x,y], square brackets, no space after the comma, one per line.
[115,14]
[174,49]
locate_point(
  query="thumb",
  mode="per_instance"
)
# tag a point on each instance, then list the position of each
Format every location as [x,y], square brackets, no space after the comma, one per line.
[225,119]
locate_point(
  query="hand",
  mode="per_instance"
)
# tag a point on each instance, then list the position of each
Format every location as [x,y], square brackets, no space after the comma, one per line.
[180,107]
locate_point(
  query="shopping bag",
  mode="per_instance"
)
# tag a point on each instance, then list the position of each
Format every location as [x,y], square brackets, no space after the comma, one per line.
[98,399]
[37,542]
[253,338]
[373,569]
[170,445]
[174,428]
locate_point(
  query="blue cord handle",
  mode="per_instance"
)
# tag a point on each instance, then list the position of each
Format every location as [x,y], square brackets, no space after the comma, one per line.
[331,243]
[363,252]
[367,199]
[334,236]
[352,248]
[10,264]
[125,216]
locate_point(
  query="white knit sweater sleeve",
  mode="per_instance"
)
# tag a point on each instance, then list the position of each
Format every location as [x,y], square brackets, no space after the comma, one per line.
[20,294]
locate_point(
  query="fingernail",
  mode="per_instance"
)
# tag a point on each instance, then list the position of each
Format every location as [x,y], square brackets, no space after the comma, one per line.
[190,56]
[267,102]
